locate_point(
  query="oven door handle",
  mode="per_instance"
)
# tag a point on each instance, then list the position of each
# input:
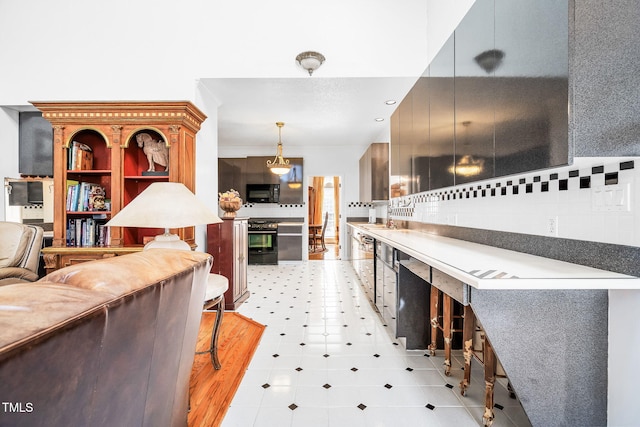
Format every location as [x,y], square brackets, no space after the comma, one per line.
[262,232]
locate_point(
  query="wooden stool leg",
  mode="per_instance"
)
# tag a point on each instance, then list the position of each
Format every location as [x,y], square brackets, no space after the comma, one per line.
[433,313]
[467,341]
[447,323]
[489,381]
[214,334]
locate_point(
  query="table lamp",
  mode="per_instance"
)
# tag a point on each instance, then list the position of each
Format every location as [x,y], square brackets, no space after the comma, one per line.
[165,205]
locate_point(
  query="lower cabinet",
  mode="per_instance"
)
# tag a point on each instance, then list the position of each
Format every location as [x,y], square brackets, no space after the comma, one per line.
[290,242]
[228,243]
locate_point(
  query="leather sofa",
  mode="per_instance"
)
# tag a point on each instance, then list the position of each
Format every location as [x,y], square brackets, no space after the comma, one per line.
[103,343]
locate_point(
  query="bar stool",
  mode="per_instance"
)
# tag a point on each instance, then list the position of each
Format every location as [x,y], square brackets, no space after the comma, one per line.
[476,344]
[442,318]
[217,285]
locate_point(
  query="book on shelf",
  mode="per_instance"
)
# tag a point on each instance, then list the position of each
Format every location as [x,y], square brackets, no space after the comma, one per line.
[87,232]
[85,196]
[80,157]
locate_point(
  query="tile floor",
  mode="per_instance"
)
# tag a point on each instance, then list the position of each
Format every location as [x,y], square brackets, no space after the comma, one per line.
[325,359]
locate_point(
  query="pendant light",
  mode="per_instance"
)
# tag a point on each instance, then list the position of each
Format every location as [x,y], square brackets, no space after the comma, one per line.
[279,165]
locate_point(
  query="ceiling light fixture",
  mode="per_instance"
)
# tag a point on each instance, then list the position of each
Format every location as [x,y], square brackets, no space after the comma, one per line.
[467,166]
[294,182]
[379,119]
[310,61]
[279,165]
[489,60]
[390,102]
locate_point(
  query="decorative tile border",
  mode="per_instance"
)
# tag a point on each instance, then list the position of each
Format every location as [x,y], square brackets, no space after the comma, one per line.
[594,199]
[526,185]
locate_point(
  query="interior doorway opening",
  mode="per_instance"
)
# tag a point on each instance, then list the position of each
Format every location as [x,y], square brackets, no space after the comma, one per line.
[324,217]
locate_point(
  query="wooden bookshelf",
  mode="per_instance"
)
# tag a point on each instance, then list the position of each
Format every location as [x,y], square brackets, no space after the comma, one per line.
[109,130]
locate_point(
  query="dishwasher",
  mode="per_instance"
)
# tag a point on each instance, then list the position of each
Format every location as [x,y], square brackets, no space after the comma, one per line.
[386,284]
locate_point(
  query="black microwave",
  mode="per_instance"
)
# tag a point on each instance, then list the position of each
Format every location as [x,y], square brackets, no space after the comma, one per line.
[263,193]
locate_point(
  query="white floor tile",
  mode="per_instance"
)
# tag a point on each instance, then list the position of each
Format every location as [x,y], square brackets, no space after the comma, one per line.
[337,365]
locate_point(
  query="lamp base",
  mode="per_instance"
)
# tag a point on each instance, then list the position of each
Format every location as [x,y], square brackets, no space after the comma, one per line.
[167,241]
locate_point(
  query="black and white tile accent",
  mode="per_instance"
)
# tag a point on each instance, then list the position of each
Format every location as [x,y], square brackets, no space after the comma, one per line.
[326,359]
[593,199]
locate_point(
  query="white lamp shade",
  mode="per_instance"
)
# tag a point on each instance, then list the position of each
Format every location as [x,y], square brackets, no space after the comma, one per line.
[164,205]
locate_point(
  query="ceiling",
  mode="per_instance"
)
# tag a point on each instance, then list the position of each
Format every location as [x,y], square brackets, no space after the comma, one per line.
[316,111]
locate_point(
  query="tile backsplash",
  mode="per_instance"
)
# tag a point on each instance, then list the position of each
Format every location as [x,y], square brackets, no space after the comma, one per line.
[594,199]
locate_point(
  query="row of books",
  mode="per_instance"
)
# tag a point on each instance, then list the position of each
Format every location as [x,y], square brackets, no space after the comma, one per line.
[85,196]
[80,156]
[87,232]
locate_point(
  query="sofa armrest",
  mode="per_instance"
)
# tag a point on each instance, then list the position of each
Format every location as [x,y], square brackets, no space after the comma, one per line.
[18,273]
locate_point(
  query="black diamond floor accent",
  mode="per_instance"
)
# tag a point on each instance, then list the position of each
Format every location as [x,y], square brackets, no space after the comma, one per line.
[282,334]
[376,355]
[298,369]
[499,406]
[265,385]
[293,406]
[349,343]
[302,343]
[448,385]
[410,369]
[362,406]
[430,406]
[276,355]
[325,355]
[388,386]
[354,369]
[327,386]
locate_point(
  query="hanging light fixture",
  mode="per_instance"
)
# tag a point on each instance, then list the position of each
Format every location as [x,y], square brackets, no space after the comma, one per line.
[467,166]
[279,165]
[310,61]
[294,183]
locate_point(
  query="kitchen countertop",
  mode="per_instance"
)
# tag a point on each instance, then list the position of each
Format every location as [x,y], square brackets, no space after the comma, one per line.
[488,267]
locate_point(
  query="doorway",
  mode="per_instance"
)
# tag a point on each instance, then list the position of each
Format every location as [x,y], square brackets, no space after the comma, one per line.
[324,203]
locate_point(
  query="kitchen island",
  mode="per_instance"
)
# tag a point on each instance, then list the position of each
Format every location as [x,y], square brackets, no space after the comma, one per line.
[546,319]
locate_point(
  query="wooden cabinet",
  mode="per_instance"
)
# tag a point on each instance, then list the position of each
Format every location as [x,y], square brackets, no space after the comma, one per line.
[228,243]
[374,173]
[112,135]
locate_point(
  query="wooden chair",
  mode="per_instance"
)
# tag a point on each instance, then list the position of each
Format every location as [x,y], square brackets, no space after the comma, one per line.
[318,238]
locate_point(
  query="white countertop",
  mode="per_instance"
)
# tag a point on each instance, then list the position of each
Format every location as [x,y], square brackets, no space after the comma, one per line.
[488,267]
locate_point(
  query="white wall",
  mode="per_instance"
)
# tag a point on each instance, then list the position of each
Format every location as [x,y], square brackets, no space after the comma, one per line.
[9,158]
[624,346]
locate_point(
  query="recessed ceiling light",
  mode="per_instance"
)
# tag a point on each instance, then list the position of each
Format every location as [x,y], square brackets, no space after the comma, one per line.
[390,102]
[379,119]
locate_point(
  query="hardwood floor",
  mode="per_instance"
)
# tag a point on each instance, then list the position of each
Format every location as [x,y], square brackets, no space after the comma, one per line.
[332,252]
[211,391]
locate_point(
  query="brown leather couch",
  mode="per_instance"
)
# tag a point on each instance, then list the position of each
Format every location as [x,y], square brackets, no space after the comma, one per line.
[103,343]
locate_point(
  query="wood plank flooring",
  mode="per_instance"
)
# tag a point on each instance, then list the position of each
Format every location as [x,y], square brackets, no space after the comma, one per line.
[211,391]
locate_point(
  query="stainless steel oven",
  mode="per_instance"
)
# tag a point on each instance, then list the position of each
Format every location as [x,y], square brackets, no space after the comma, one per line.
[263,242]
